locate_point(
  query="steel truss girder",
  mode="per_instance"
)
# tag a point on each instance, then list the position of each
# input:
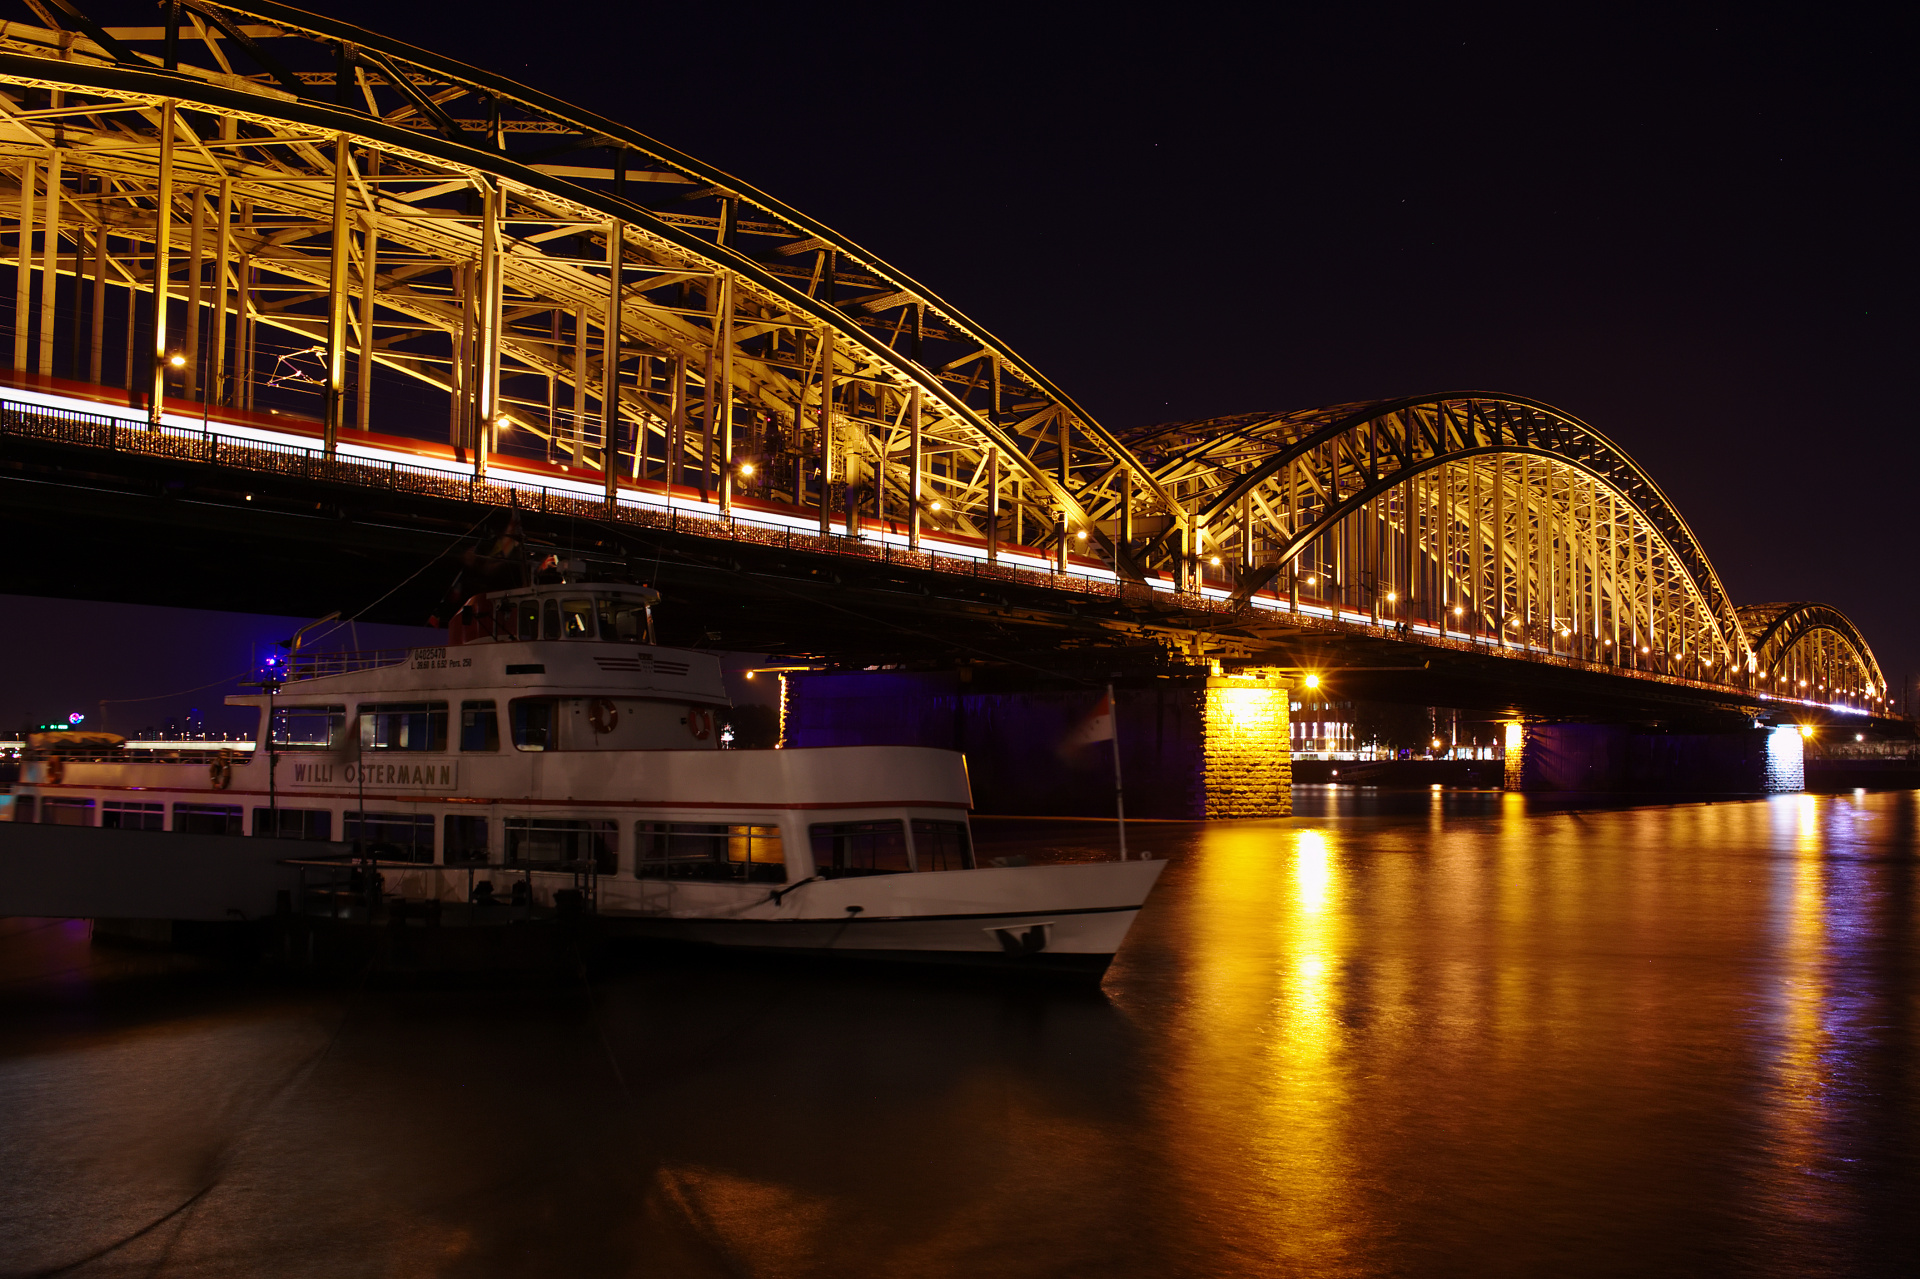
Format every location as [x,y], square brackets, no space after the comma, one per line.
[398,90]
[1805,635]
[1351,454]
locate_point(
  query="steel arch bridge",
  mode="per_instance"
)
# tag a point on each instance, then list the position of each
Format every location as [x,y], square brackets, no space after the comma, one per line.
[242,205]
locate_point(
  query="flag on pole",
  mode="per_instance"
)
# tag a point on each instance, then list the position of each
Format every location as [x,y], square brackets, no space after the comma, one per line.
[1097,726]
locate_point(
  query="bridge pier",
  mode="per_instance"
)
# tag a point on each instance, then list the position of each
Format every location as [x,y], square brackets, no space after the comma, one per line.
[1192,746]
[1619,757]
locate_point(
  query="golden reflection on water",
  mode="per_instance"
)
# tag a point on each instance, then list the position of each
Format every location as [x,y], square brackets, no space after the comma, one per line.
[1266,1084]
[1799,1072]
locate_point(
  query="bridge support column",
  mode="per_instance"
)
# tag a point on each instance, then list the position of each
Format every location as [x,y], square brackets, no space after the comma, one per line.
[1248,769]
[1191,746]
[1620,758]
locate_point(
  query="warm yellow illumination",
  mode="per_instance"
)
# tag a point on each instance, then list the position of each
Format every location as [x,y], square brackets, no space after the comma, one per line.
[178,361]
[1215,561]
[1311,581]
[746,468]
[1457,610]
[1436,743]
[1806,730]
[936,506]
[1082,535]
[1391,597]
[750,674]
[1312,681]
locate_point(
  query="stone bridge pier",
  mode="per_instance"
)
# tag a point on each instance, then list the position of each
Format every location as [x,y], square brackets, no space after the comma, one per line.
[1191,745]
[1620,757]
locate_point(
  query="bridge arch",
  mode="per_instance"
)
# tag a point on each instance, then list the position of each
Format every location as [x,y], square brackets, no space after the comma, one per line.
[1468,510]
[1812,650]
[318,198]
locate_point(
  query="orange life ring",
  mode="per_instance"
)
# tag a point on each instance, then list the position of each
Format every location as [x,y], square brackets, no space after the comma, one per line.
[220,773]
[699,723]
[55,770]
[603,715]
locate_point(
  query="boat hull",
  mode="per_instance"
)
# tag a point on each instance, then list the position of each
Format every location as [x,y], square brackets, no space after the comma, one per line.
[1059,918]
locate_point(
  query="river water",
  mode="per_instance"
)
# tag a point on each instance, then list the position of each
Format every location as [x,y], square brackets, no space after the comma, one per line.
[1428,1034]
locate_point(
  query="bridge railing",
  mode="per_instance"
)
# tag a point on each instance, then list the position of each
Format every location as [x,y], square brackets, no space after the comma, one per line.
[77,427]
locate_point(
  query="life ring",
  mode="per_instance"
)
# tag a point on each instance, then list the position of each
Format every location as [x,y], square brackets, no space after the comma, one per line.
[603,715]
[55,770]
[220,773]
[700,723]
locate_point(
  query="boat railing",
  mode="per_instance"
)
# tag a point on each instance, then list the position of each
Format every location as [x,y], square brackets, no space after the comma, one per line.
[314,665]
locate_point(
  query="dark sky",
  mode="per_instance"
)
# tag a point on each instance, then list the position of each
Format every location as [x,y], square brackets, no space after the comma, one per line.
[1690,226]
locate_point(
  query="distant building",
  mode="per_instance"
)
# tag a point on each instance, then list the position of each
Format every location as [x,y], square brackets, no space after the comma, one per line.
[1322,727]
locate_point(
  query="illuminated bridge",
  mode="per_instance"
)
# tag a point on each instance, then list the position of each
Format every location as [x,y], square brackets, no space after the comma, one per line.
[295,306]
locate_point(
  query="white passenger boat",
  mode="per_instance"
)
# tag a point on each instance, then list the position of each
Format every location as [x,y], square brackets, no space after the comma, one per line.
[548,745]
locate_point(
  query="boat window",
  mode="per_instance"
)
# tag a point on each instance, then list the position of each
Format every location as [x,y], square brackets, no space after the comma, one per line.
[941,845]
[529,608]
[404,726]
[208,819]
[293,823]
[563,843]
[623,619]
[532,719]
[576,617]
[308,728]
[709,851]
[552,619]
[503,614]
[466,841]
[392,837]
[65,812]
[115,815]
[859,848]
[479,727]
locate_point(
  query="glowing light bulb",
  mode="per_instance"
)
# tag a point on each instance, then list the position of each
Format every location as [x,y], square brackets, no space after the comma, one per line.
[177,360]
[936,506]
[746,468]
[1215,561]
[1082,536]
[1312,681]
[1457,610]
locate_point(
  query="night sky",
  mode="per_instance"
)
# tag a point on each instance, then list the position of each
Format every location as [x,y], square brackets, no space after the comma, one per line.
[1688,226]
